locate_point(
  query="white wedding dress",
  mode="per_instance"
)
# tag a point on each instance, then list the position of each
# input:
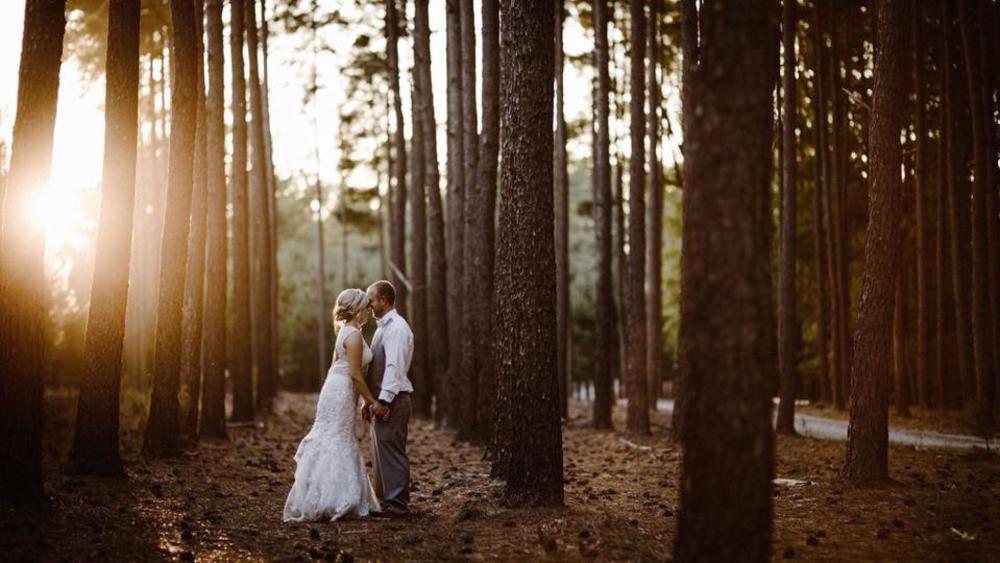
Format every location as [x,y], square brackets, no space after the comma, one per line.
[330,477]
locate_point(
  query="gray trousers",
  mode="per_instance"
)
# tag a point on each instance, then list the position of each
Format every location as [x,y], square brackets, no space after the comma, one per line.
[392,468]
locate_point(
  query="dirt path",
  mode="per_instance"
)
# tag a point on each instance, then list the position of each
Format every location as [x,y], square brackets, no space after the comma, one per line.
[827,428]
[223,503]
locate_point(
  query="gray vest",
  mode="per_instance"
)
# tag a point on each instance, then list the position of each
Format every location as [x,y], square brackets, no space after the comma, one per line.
[376,369]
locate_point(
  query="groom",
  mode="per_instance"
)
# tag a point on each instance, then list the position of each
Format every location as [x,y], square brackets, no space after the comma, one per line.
[392,350]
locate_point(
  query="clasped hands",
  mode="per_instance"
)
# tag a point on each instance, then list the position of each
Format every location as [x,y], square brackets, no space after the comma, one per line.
[368,410]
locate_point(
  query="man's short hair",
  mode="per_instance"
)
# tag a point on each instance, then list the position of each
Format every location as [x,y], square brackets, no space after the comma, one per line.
[384,289]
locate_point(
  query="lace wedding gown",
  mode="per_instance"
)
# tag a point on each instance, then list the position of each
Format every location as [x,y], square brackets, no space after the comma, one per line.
[330,477]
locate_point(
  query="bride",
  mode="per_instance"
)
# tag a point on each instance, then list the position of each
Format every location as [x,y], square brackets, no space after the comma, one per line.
[330,477]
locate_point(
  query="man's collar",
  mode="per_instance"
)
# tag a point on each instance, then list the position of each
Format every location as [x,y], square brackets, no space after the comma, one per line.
[386,318]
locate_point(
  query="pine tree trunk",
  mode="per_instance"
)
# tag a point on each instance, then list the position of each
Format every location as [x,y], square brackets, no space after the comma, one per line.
[22,253]
[437,308]
[637,413]
[957,210]
[689,70]
[192,322]
[162,427]
[920,187]
[271,194]
[821,183]
[839,301]
[213,397]
[982,333]
[605,334]
[398,199]
[525,358]
[561,182]
[469,373]
[456,206]
[267,377]
[727,149]
[95,441]
[654,219]
[241,370]
[868,430]
[419,371]
[945,312]
[788,321]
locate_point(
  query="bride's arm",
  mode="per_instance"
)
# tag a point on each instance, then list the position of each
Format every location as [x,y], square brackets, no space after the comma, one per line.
[355,349]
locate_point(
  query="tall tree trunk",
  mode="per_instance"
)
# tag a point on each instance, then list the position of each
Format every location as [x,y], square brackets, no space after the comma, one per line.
[437,307]
[162,427]
[213,398]
[95,441]
[788,318]
[272,203]
[840,302]
[957,206]
[637,413]
[727,165]
[561,201]
[689,70]
[267,377]
[456,207]
[654,219]
[242,341]
[525,357]
[397,232]
[920,189]
[22,253]
[482,238]
[604,329]
[821,183]
[467,385]
[982,333]
[868,431]
[419,371]
[192,323]
[945,312]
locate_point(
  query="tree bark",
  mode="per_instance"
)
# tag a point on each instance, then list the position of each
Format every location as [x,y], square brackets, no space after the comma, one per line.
[561,201]
[192,323]
[213,398]
[419,372]
[481,237]
[899,352]
[654,220]
[468,384]
[920,188]
[456,206]
[22,253]
[868,429]
[982,333]
[689,70]
[604,330]
[397,232]
[162,428]
[820,229]
[727,147]
[525,358]
[260,196]
[95,440]
[945,312]
[437,307]
[957,209]
[788,318]
[242,337]
[637,412]
[840,299]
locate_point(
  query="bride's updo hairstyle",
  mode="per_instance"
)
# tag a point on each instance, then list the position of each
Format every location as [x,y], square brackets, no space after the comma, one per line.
[350,302]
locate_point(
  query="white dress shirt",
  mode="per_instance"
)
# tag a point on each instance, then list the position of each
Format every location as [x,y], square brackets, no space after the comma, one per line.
[396,338]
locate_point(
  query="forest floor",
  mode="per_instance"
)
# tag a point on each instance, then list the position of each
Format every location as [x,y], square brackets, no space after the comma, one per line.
[223,502]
